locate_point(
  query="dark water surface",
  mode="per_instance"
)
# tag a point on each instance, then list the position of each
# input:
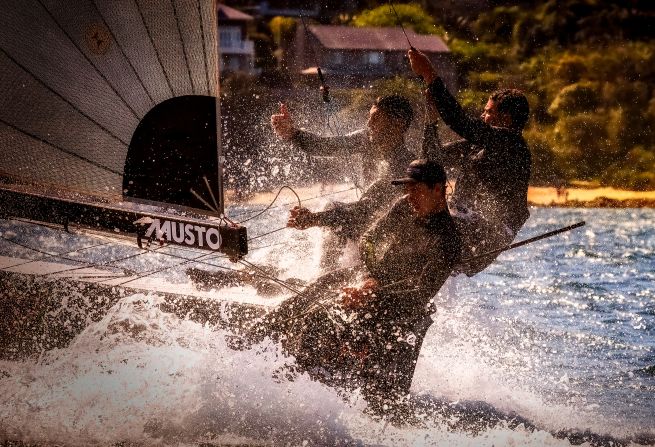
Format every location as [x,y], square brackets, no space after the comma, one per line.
[561,333]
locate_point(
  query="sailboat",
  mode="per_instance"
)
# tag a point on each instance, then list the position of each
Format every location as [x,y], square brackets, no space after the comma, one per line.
[109,120]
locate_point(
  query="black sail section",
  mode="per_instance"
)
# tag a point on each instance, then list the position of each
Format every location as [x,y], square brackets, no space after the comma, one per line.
[173,151]
[81,82]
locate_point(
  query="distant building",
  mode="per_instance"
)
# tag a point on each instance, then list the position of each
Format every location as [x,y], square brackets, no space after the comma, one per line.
[237,53]
[352,57]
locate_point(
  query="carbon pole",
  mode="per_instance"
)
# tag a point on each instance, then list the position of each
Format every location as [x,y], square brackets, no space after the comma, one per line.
[325,90]
[525,242]
[400,23]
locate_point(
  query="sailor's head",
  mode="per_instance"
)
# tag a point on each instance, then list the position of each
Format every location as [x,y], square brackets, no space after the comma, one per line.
[507,108]
[425,186]
[389,119]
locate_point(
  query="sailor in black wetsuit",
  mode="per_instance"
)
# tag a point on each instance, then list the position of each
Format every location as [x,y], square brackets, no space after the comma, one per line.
[370,335]
[384,156]
[493,163]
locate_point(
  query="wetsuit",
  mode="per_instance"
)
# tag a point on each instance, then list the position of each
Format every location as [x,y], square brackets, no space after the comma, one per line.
[493,164]
[375,347]
[350,220]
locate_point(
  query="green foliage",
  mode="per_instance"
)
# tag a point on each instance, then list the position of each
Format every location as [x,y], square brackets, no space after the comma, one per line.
[485,81]
[584,141]
[635,171]
[411,16]
[498,25]
[575,98]
[283,29]
[478,56]
[473,101]
[546,165]
[588,69]
[570,68]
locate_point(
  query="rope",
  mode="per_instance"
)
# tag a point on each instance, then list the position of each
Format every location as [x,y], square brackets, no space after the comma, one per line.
[303,200]
[271,204]
[269,277]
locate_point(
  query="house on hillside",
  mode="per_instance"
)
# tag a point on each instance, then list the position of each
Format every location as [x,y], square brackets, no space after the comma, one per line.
[353,57]
[236,51]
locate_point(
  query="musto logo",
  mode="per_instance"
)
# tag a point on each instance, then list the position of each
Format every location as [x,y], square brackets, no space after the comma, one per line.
[182,233]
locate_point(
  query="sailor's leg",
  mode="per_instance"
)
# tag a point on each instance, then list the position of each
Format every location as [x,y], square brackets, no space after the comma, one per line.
[205,280]
[292,310]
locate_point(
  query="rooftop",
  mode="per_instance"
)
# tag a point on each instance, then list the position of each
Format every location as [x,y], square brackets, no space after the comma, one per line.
[375,38]
[227,13]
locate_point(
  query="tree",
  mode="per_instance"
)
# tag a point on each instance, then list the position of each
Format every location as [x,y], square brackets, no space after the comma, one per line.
[411,16]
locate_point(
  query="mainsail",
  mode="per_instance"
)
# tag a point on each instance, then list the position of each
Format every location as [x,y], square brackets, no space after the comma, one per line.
[108,101]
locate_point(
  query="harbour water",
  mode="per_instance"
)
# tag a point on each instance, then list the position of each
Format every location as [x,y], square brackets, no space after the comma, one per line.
[560,333]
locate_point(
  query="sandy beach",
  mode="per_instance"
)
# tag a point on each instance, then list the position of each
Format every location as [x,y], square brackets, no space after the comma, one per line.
[600,197]
[571,197]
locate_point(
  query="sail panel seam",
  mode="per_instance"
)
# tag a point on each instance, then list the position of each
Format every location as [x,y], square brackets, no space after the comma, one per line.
[62,97]
[186,59]
[73,154]
[204,47]
[61,28]
[120,48]
[152,42]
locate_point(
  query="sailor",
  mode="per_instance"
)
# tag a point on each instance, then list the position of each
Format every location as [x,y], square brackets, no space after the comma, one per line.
[384,155]
[489,203]
[372,333]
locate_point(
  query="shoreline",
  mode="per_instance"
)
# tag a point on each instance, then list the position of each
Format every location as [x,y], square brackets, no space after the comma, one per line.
[538,196]
[598,197]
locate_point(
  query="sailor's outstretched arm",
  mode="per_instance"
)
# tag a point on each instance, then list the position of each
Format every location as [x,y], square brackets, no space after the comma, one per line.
[451,154]
[473,129]
[285,128]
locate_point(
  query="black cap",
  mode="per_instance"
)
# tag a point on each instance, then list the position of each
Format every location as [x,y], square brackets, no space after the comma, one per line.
[423,171]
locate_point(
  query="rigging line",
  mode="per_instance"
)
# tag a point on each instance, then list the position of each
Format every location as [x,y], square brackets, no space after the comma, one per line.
[266,246]
[400,23]
[326,90]
[525,242]
[303,200]
[204,47]
[89,61]
[266,234]
[271,204]
[58,254]
[73,154]
[346,153]
[268,276]
[60,96]
[38,250]
[326,95]
[209,264]
[120,48]
[186,59]
[152,42]
[140,276]
[103,264]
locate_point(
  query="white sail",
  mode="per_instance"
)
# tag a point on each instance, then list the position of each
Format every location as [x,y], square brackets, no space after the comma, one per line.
[77,77]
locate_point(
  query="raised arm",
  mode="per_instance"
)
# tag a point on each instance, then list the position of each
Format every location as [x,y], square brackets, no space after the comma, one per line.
[284,127]
[347,218]
[472,129]
[450,155]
